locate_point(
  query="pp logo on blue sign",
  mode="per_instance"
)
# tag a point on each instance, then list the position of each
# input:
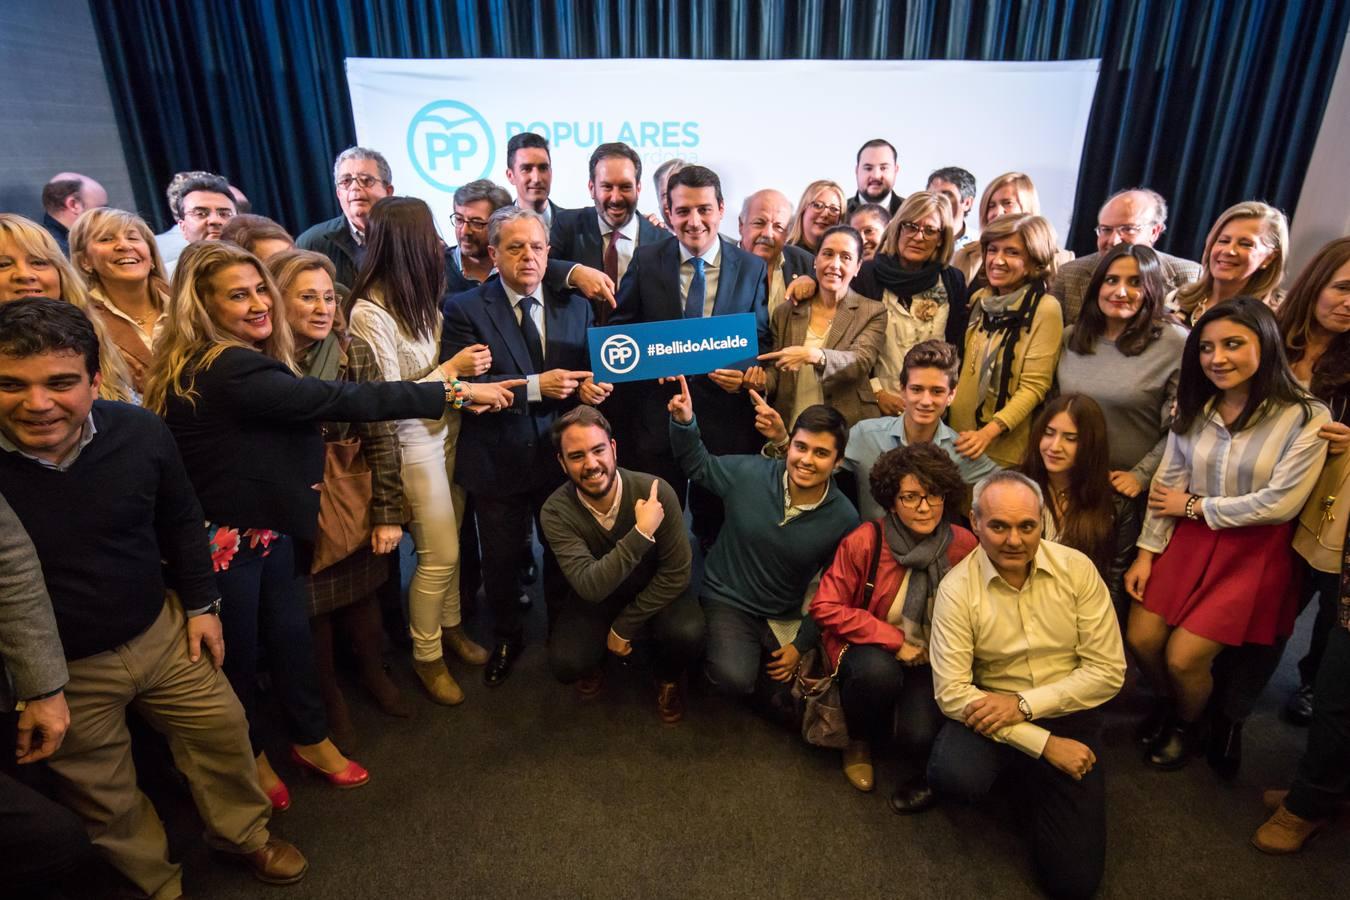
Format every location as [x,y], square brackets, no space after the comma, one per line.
[620,353]
[450,144]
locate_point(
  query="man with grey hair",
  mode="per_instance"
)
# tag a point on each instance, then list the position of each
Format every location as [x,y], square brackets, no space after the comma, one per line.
[660,176]
[64,197]
[468,264]
[534,332]
[1025,648]
[766,217]
[361,177]
[1131,216]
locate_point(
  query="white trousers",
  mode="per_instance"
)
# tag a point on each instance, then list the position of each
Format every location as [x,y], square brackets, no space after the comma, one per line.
[437,507]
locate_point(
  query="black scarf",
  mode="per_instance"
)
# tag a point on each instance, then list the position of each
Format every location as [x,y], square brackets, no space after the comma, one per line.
[905,283]
[1007,326]
[926,561]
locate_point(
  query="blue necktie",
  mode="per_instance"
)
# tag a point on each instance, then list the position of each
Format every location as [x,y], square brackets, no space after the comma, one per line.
[533,343]
[698,291]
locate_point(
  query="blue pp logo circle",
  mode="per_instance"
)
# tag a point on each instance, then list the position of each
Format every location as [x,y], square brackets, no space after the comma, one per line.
[619,353]
[450,144]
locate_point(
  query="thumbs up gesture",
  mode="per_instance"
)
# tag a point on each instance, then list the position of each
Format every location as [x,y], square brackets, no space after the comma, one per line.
[650,512]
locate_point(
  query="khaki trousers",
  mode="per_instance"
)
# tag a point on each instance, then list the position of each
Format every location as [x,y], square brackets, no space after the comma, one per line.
[192,705]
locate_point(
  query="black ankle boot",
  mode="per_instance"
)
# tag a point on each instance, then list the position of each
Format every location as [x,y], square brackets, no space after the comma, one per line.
[1224,747]
[1175,746]
[1151,728]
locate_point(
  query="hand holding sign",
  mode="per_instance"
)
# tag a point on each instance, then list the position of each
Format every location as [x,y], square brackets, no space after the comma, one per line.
[681,406]
[558,384]
[728,380]
[767,420]
[755,379]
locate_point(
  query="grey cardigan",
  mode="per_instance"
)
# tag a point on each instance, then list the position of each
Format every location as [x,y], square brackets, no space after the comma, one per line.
[32,662]
[851,349]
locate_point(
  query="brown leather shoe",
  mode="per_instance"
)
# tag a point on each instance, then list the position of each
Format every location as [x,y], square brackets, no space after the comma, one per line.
[857,757]
[457,641]
[436,678]
[1273,799]
[588,685]
[669,702]
[1285,832]
[276,862]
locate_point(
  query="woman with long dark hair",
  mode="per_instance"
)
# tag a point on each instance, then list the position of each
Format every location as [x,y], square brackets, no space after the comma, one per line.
[396,310]
[1125,353]
[1069,460]
[1215,568]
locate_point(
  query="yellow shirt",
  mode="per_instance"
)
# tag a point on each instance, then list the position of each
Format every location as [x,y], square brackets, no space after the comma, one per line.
[1056,641]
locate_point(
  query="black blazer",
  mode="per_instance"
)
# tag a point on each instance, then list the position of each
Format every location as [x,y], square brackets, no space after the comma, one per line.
[651,293]
[456,282]
[797,261]
[252,444]
[333,238]
[576,235]
[511,452]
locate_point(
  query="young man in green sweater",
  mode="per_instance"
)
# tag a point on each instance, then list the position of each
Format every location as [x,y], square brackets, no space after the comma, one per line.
[620,541]
[784,520]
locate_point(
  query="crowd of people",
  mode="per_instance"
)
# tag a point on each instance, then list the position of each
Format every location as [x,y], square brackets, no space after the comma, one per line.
[967,483]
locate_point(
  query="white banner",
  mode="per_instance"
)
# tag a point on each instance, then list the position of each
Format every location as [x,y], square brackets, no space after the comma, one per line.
[782,124]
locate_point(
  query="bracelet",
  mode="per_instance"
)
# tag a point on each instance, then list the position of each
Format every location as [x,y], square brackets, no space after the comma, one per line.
[456,393]
[1190,507]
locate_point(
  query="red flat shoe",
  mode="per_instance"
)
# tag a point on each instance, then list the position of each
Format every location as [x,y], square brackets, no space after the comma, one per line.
[351,777]
[280,797]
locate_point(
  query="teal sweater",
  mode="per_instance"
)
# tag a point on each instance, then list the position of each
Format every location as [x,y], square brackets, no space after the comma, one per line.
[758,565]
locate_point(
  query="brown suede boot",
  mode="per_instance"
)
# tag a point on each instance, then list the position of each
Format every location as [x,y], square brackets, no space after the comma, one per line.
[436,678]
[457,641]
[1285,832]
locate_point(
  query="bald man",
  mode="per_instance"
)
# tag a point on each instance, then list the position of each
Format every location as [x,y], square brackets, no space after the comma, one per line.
[63,199]
[765,219]
[1134,216]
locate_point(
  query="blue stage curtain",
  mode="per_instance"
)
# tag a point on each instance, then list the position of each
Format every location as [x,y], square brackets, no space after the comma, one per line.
[1208,103]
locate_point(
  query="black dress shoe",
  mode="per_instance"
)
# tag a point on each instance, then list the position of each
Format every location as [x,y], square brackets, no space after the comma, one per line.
[1298,709]
[499,664]
[1223,750]
[1153,725]
[914,796]
[1175,747]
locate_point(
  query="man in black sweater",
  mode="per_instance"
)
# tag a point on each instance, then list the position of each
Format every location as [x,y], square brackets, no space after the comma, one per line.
[101,490]
[620,540]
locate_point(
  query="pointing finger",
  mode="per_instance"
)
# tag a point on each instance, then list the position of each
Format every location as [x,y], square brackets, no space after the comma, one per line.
[652,496]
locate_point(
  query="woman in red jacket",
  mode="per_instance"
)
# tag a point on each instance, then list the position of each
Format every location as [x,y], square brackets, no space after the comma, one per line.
[874,606]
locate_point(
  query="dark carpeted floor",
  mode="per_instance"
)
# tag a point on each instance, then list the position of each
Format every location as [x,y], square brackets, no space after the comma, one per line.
[527,791]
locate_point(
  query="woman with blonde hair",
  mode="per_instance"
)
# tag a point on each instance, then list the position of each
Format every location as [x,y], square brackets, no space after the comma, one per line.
[247,426]
[1244,256]
[32,265]
[116,253]
[1010,194]
[1012,343]
[821,206]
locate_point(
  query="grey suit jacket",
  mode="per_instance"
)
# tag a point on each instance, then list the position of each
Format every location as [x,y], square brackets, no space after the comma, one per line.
[850,348]
[1071,283]
[32,662]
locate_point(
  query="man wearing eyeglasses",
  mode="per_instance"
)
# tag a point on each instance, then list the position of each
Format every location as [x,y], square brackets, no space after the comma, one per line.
[468,264]
[1133,216]
[201,206]
[361,176]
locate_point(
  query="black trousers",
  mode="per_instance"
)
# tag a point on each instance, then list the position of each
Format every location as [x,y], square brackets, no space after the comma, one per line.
[674,636]
[503,536]
[1068,818]
[1323,778]
[882,698]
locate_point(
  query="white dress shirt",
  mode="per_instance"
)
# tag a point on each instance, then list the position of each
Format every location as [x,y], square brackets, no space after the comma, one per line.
[710,268]
[532,393]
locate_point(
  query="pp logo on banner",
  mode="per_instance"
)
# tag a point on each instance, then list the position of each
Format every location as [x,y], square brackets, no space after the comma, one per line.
[675,347]
[450,144]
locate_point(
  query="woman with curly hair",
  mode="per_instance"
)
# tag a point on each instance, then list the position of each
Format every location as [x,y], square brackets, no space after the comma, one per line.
[875,605]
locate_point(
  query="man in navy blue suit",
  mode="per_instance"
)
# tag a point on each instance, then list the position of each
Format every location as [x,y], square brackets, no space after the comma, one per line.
[607,237]
[696,275]
[506,465]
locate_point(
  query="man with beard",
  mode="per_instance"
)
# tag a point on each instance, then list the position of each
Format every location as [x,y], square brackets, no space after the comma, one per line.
[784,520]
[607,238]
[765,219]
[468,264]
[620,541]
[877,167]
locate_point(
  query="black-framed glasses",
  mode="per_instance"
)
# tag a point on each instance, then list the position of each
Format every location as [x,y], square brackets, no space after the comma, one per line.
[913,501]
[365,181]
[465,222]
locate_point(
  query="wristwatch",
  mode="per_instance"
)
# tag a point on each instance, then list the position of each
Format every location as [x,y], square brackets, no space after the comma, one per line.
[213,608]
[1024,707]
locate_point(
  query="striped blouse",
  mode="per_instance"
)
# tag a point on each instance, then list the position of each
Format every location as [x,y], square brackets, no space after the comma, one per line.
[1262,475]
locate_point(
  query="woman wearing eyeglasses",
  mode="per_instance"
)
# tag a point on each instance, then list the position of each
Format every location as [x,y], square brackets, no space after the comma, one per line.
[877,639]
[820,208]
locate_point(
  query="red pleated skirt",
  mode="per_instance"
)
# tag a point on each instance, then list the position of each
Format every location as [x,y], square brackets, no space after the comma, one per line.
[1234,585]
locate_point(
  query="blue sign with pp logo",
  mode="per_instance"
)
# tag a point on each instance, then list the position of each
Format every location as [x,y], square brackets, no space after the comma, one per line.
[674,347]
[450,144]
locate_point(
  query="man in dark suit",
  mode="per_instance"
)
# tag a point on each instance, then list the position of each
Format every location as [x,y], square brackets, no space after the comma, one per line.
[877,166]
[1134,216]
[766,217]
[361,176]
[696,275]
[607,237]
[505,461]
[529,169]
